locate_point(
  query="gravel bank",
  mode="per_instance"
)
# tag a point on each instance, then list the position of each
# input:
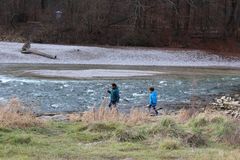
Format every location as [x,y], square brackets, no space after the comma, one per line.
[10,53]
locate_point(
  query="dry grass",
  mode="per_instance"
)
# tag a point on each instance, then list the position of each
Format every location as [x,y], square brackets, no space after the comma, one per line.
[136,116]
[185,114]
[15,115]
[103,114]
[74,117]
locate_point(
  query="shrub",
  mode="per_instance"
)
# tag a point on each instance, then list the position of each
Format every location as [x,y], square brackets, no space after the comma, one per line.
[226,131]
[198,122]
[194,140]
[136,39]
[22,140]
[167,127]
[87,137]
[5,130]
[82,128]
[218,120]
[17,139]
[102,127]
[129,135]
[167,123]
[170,144]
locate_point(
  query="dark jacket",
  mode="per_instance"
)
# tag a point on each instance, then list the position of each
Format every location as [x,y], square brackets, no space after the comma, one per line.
[114,95]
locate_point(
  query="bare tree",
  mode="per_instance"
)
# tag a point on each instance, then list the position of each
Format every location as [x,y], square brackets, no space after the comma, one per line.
[123,22]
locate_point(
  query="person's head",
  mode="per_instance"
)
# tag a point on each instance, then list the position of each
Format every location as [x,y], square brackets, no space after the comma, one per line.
[151,89]
[114,85]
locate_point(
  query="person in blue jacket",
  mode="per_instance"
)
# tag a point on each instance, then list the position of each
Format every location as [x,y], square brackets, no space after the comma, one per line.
[152,100]
[114,96]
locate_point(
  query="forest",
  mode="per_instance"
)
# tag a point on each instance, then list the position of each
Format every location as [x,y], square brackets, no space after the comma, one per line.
[155,23]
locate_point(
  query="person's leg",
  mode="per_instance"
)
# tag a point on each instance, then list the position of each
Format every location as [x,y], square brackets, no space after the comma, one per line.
[110,105]
[154,108]
[149,108]
[114,105]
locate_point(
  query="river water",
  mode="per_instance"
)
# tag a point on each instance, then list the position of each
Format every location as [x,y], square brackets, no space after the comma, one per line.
[60,94]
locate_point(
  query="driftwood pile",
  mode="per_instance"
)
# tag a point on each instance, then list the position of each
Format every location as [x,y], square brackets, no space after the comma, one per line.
[26,49]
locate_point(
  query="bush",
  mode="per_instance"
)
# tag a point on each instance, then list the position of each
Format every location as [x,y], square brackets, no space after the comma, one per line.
[136,39]
[102,127]
[5,130]
[22,140]
[170,144]
[167,127]
[226,131]
[129,135]
[218,120]
[198,122]
[17,140]
[167,123]
[195,140]
[87,137]
[82,128]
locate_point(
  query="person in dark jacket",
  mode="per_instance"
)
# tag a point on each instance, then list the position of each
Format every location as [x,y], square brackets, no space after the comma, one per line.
[114,96]
[152,100]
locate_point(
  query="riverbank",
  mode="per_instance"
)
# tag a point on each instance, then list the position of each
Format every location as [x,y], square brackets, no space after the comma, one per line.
[104,135]
[226,105]
[10,53]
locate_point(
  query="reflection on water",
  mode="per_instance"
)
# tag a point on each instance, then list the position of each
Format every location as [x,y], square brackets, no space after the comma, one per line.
[78,95]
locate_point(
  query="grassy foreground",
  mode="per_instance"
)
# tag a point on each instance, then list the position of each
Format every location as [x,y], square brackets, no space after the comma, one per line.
[203,136]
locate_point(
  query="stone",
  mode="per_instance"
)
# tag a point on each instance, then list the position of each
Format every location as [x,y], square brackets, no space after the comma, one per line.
[235,102]
[228,99]
[219,101]
[214,104]
[237,115]
[222,107]
[223,97]
[236,95]
[228,112]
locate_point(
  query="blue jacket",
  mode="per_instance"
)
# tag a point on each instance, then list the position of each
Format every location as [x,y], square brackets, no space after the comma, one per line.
[114,95]
[153,98]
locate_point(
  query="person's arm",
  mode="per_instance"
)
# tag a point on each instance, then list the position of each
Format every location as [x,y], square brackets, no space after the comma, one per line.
[109,91]
[118,96]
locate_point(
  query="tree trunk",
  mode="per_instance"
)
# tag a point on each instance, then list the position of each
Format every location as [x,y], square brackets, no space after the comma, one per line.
[231,21]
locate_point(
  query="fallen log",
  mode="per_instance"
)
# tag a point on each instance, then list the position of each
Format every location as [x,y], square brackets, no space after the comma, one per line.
[39,53]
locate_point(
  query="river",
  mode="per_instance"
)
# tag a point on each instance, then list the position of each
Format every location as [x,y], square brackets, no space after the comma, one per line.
[60,93]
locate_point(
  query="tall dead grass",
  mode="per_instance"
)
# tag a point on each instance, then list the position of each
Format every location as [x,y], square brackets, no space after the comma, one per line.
[136,116]
[103,114]
[15,115]
[185,114]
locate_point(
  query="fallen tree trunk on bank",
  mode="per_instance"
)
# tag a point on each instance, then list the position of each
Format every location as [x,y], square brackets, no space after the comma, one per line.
[39,53]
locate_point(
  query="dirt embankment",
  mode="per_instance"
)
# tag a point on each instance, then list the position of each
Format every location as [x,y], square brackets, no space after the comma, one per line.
[227,48]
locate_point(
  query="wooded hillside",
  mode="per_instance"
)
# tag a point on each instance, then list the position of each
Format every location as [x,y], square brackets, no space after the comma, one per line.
[122,22]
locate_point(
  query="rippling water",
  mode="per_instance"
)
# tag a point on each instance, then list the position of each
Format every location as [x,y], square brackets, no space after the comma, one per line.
[79,95]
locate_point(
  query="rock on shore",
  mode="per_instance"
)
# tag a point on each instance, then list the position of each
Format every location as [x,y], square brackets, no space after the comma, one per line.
[229,104]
